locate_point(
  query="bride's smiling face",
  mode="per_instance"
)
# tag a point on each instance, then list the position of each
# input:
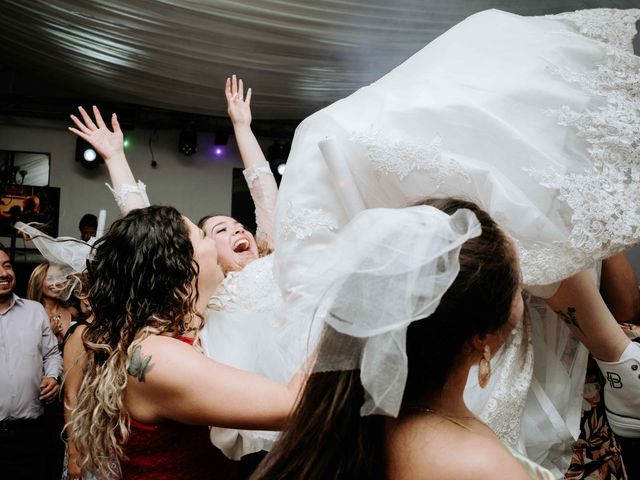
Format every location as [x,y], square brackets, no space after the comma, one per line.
[236,246]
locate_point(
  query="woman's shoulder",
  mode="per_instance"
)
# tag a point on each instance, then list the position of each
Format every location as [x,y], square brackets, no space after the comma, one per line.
[443,451]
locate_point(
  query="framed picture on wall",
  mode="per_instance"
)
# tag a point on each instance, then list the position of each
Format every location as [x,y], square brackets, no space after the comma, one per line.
[29,204]
[24,168]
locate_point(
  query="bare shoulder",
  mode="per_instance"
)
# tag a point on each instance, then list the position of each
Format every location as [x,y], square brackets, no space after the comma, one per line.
[158,350]
[450,454]
[158,368]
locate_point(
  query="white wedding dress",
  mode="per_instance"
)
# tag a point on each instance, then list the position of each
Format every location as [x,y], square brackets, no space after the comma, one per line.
[536,119]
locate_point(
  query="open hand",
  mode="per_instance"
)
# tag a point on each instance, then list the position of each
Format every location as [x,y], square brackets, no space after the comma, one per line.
[107,143]
[238,107]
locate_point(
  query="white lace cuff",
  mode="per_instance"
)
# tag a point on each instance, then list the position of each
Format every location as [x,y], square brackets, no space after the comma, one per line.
[127,189]
[253,173]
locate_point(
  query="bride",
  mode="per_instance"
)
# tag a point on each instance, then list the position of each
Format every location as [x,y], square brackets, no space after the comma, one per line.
[533,118]
[536,119]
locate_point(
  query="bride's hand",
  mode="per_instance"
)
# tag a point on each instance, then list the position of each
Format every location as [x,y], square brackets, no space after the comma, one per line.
[238,107]
[107,143]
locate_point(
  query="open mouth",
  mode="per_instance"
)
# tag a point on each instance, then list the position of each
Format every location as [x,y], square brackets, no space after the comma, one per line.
[242,245]
[5,283]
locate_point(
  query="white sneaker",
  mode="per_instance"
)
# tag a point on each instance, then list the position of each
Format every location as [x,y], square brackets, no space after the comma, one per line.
[622,392]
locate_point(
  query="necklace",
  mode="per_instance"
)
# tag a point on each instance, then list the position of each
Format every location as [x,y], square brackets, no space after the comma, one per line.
[452,419]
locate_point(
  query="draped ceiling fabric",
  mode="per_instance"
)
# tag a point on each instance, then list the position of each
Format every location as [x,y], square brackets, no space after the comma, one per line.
[298,55]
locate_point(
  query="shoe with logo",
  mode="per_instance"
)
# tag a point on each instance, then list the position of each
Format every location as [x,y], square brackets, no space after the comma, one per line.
[622,392]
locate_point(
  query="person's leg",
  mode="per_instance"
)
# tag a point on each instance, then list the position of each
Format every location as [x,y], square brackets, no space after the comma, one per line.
[579,304]
[23,450]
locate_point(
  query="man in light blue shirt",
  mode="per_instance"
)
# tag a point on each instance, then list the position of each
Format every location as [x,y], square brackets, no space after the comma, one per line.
[30,366]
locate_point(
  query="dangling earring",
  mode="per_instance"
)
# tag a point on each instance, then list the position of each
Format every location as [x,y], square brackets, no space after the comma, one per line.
[484,368]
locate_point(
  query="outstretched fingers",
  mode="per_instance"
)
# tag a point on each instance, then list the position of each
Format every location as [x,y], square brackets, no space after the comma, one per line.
[80,134]
[87,119]
[99,121]
[81,126]
[234,85]
[227,89]
[115,124]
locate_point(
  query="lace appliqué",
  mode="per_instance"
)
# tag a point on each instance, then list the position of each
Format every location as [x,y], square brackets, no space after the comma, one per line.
[251,175]
[616,27]
[514,369]
[605,215]
[253,288]
[401,158]
[304,222]
[128,189]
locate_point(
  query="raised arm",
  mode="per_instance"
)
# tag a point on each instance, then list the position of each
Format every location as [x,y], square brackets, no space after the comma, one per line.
[184,385]
[262,185]
[110,145]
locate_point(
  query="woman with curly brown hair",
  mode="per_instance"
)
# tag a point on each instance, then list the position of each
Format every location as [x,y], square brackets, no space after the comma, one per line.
[148,392]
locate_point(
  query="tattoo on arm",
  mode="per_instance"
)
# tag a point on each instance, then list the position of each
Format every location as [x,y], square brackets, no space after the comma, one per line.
[138,366]
[569,317]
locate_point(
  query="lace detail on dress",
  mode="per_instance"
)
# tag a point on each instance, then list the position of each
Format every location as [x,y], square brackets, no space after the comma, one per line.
[514,369]
[252,174]
[401,158]
[264,192]
[126,189]
[616,27]
[303,222]
[603,198]
[252,288]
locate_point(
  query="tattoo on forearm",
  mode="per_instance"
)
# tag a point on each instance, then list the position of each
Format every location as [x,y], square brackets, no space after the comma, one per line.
[138,366]
[569,317]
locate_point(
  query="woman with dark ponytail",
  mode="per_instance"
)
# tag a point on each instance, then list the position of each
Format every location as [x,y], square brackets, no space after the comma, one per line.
[434,290]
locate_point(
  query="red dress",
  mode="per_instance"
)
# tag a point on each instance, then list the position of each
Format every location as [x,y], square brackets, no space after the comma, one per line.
[172,450]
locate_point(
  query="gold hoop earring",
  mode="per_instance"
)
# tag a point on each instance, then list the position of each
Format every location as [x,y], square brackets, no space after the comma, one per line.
[484,368]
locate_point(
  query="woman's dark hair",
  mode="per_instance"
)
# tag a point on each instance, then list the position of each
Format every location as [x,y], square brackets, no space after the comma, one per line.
[204,219]
[326,438]
[141,275]
[140,283]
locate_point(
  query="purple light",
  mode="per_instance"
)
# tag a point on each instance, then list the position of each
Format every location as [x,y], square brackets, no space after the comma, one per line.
[218,151]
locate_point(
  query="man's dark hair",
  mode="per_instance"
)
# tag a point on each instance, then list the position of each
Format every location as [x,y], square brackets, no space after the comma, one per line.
[88,220]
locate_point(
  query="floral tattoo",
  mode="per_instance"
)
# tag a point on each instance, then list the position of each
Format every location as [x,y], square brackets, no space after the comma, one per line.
[569,317]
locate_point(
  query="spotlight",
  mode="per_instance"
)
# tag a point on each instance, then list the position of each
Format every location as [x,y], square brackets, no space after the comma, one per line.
[86,155]
[188,142]
[89,154]
[277,155]
[218,151]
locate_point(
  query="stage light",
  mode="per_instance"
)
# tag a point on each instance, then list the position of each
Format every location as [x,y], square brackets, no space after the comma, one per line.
[218,151]
[89,154]
[188,142]
[86,155]
[126,143]
[277,155]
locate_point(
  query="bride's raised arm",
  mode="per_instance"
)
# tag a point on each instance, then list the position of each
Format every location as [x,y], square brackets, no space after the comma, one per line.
[128,193]
[262,185]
